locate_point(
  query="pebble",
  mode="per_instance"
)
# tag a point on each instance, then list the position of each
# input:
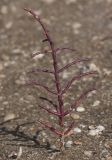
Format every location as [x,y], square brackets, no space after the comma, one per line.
[96,103]
[106,71]
[77,142]
[9,116]
[100,128]
[76,26]
[39,56]
[75,116]
[88,153]
[109,1]
[77,130]
[4,9]
[48,1]
[68,144]
[70,1]
[5,103]
[80,109]
[15,155]
[65,75]
[94,67]
[21,80]
[53,147]
[82,125]
[8,25]
[96,130]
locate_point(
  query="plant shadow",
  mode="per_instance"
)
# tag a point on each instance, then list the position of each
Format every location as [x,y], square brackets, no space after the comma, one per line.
[22,137]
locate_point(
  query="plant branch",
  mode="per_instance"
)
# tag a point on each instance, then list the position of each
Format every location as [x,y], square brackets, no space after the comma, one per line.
[64,49]
[67,131]
[72,63]
[56,75]
[49,111]
[50,101]
[79,100]
[41,85]
[69,83]
[40,70]
[52,129]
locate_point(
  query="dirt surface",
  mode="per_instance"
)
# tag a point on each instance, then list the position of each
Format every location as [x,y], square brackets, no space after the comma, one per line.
[85,25]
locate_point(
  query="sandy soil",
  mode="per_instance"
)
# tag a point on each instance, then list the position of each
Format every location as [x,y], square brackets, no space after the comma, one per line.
[85,25]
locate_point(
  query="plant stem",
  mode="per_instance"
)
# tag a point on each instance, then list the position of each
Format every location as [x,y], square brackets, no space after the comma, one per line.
[55,65]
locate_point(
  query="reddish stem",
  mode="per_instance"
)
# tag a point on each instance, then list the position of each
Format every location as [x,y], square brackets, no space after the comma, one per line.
[56,74]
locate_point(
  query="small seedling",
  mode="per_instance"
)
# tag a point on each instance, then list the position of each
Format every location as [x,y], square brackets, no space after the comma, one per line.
[59,89]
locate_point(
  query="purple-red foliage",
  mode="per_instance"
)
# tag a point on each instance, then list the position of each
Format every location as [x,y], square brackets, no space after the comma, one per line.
[58,91]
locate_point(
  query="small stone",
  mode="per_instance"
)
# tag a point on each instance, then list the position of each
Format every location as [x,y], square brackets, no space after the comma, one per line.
[96,103]
[70,1]
[93,132]
[9,116]
[65,75]
[77,142]
[48,1]
[82,125]
[39,56]
[100,128]
[8,25]
[77,130]
[109,1]
[19,153]
[75,116]
[53,147]
[94,67]
[13,155]
[5,103]
[68,144]
[88,153]
[76,26]
[106,71]
[4,10]
[80,109]
[91,127]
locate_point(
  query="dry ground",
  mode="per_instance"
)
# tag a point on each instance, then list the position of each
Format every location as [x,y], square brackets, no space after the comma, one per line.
[85,25]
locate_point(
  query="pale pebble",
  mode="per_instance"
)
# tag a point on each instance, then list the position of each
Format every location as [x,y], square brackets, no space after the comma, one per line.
[106,71]
[75,116]
[68,144]
[9,116]
[109,1]
[77,130]
[70,1]
[93,132]
[8,25]
[94,67]
[96,103]
[48,1]
[80,109]
[19,152]
[100,128]
[82,125]
[76,26]
[4,9]
[39,56]
[88,153]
